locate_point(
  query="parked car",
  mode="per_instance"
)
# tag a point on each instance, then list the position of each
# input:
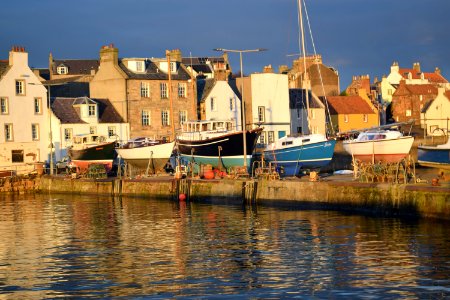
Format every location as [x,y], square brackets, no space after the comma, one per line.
[64,165]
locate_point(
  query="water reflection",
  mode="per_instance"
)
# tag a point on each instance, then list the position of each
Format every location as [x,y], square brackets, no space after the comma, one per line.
[73,246]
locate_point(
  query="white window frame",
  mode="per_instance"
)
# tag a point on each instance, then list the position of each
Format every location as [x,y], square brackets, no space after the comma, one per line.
[93,129]
[261,113]
[270,137]
[183,116]
[173,67]
[112,131]
[68,134]
[9,132]
[92,110]
[35,132]
[4,106]
[313,114]
[163,90]
[165,118]
[365,118]
[62,70]
[182,88]
[262,138]
[20,87]
[346,118]
[37,106]
[232,104]
[145,90]
[139,66]
[145,118]
[408,113]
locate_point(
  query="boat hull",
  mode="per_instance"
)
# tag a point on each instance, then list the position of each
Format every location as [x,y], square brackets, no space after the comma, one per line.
[100,154]
[307,156]
[385,150]
[433,157]
[223,151]
[151,158]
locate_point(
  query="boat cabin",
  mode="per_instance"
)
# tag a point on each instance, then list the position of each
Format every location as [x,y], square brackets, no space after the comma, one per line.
[87,140]
[378,135]
[210,125]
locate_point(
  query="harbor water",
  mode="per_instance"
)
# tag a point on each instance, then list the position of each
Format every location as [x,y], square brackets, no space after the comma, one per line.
[64,246]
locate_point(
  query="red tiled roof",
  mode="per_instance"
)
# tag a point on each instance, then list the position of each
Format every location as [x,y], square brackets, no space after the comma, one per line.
[421,89]
[447,94]
[432,77]
[348,105]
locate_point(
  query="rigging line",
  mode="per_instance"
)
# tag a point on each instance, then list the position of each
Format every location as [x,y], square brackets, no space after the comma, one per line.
[318,69]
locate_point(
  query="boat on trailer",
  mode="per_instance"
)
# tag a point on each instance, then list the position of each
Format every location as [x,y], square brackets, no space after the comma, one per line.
[216,143]
[145,154]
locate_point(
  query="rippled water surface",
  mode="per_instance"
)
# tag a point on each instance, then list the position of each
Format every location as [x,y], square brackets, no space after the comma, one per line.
[76,246]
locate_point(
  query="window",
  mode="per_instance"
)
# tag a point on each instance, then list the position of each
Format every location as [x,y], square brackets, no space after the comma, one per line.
[299,130]
[93,130]
[4,106]
[20,87]
[299,113]
[346,118]
[183,116]
[111,131]
[17,156]
[91,110]
[232,105]
[35,132]
[67,134]
[37,106]
[9,132]
[139,66]
[408,113]
[262,138]
[163,88]
[270,137]
[62,70]
[281,133]
[145,118]
[145,90]
[261,114]
[313,114]
[173,67]
[315,129]
[213,104]
[165,118]
[389,91]
[365,118]
[181,90]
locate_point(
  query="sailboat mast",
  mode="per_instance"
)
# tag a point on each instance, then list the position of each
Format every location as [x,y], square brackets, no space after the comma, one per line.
[169,91]
[305,79]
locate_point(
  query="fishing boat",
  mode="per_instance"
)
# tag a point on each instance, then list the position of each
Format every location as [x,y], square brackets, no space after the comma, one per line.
[388,146]
[87,149]
[311,151]
[216,143]
[434,156]
[146,154]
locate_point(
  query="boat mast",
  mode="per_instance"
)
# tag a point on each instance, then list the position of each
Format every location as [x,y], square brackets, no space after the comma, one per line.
[305,79]
[169,92]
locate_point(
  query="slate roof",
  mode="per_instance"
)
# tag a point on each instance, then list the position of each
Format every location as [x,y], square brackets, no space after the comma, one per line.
[66,113]
[152,72]
[76,66]
[4,66]
[297,99]
[204,87]
[190,61]
[348,105]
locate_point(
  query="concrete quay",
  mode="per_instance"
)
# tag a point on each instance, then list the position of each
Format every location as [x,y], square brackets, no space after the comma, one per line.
[336,192]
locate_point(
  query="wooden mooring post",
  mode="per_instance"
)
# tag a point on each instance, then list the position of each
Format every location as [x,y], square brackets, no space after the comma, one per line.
[183,187]
[249,190]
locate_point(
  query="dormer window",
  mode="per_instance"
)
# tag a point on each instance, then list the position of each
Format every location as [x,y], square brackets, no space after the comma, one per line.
[173,67]
[91,110]
[62,70]
[139,66]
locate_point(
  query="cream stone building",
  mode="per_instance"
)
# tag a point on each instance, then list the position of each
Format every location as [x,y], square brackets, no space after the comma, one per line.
[24,138]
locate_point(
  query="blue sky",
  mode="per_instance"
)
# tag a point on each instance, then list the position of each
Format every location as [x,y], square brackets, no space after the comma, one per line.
[355,36]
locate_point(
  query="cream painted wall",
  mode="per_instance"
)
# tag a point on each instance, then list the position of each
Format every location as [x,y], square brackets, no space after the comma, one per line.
[271,91]
[437,114]
[222,93]
[21,112]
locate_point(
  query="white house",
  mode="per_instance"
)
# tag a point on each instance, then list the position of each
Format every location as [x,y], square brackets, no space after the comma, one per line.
[435,115]
[270,105]
[24,138]
[218,101]
[83,115]
[411,76]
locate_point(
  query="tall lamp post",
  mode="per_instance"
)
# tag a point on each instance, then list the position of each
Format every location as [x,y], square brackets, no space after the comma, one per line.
[50,134]
[242,94]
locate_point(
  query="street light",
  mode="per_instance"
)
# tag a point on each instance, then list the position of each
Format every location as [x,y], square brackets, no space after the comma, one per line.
[242,94]
[48,85]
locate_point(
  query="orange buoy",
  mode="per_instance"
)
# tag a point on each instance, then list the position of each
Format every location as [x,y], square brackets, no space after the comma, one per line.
[209,175]
[182,197]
